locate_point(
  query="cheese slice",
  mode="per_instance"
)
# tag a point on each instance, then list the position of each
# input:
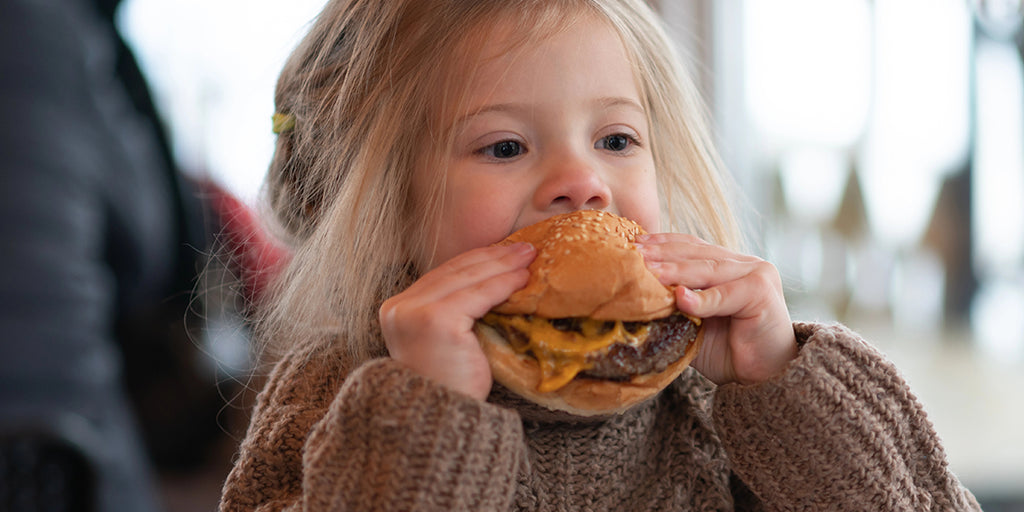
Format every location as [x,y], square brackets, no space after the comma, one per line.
[562,354]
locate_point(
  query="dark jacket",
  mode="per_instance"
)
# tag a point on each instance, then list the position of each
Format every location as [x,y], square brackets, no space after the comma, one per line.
[100,246]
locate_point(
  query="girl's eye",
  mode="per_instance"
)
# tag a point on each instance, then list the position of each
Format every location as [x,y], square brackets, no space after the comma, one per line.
[617,142]
[503,150]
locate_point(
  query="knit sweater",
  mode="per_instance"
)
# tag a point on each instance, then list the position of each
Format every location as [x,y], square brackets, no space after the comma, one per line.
[839,430]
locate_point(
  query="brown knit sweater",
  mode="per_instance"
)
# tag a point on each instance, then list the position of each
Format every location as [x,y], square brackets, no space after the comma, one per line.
[839,430]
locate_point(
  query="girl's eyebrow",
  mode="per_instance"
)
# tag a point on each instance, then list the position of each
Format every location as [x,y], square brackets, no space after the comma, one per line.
[604,103]
[513,108]
[619,101]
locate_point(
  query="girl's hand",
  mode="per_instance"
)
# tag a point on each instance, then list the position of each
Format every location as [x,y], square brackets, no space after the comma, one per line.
[748,335]
[429,326]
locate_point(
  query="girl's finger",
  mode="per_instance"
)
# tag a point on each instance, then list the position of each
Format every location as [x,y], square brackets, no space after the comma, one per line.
[456,297]
[701,273]
[743,297]
[676,246]
[694,264]
[476,300]
[471,267]
[488,253]
[661,238]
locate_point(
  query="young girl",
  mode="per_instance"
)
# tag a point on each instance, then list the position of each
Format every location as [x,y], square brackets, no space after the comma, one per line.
[414,135]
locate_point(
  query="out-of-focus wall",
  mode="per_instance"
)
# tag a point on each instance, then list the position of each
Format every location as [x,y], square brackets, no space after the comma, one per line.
[881,146]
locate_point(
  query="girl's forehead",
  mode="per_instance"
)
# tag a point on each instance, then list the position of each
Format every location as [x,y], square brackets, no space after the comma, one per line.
[495,50]
[501,35]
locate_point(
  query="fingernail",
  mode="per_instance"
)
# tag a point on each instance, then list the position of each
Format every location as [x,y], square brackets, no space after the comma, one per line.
[522,247]
[655,268]
[649,252]
[688,295]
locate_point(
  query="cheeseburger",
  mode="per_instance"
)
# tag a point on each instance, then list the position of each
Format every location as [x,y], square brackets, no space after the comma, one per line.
[593,332]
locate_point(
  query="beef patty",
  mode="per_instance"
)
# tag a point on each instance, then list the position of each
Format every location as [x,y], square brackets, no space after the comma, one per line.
[666,342]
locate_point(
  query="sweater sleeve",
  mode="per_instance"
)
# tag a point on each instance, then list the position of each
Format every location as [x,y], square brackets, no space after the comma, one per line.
[387,439]
[839,430]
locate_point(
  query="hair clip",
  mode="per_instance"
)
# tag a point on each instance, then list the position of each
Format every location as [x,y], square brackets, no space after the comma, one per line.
[283,122]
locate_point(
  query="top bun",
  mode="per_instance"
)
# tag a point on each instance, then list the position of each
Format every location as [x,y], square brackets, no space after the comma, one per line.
[588,266]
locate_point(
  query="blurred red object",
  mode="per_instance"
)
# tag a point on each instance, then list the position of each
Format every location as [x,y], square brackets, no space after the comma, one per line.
[253,254]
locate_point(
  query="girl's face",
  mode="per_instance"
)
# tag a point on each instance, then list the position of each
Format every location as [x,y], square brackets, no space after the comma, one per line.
[551,127]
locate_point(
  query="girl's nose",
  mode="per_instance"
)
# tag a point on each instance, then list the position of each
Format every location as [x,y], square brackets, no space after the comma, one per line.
[570,184]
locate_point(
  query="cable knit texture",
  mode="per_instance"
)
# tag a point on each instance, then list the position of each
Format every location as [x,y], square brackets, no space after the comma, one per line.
[839,430]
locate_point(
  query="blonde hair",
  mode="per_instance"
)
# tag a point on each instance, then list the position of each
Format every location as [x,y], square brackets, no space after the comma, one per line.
[373,94]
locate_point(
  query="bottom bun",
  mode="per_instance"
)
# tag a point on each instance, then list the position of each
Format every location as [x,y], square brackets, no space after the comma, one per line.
[582,396]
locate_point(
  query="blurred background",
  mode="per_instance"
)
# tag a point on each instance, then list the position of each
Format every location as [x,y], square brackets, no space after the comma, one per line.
[881,145]
[878,145]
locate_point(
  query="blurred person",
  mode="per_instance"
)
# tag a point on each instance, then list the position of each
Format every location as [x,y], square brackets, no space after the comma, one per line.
[102,240]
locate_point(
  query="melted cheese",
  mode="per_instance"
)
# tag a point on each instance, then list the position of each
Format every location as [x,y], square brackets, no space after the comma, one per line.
[563,354]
